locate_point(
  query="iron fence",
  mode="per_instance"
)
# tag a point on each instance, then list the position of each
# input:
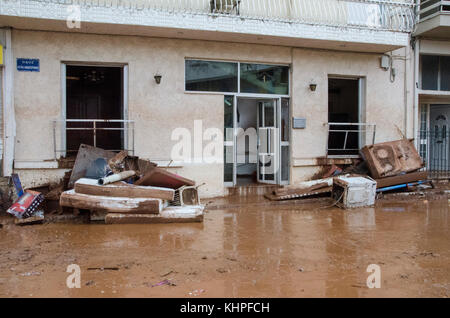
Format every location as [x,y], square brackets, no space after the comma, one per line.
[434,148]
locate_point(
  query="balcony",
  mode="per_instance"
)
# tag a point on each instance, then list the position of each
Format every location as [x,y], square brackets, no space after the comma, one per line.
[361,25]
[434,19]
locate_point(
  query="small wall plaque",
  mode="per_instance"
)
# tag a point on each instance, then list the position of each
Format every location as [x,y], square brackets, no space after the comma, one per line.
[299,123]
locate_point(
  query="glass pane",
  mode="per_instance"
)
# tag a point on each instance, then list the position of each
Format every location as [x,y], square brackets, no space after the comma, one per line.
[228,118]
[445,73]
[284,119]
[228,164]
[269,115]
[209,76]
[430,67]
[264,79]
[285,163]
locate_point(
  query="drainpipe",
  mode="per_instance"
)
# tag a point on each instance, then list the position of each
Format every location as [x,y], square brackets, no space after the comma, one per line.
[416,91]
[9,118]
[416,81]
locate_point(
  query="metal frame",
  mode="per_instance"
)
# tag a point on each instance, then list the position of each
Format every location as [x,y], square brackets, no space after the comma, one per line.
[347,131]
[238,92]
[128,127]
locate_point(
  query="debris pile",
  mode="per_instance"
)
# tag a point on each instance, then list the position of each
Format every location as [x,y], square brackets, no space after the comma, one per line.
[120,189]
[28,208]
[384,167]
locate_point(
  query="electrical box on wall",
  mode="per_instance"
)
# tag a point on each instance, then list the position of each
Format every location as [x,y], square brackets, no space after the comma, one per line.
[385,62]
[299,123]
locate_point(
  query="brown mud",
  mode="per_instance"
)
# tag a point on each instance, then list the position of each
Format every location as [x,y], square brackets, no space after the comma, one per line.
[246,247]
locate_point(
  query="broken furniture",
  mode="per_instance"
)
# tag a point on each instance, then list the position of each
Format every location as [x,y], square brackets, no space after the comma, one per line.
[161,178]
[301,190]
[353,192]
[392,158]
[122,189]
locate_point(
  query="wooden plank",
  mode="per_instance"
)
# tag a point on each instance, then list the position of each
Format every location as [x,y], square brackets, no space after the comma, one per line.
[401,179]
[161,178]
[300,190]
[123,190]
[185,214]
[274,197]
[29,221]
[111,204]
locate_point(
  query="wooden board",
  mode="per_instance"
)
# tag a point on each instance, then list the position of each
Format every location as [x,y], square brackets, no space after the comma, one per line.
[29,221]
[300,190]
[392,158]
[274,197]
[186,214]
[111,204]
[401,179]
[123,190]
[161,178]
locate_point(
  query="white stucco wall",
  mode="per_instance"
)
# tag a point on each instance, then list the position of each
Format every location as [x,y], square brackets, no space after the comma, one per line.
[158,109]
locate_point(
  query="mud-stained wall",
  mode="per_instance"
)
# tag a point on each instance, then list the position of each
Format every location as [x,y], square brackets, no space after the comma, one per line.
[159,109]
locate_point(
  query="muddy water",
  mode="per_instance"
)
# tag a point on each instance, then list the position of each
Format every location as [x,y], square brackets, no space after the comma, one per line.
[246,250]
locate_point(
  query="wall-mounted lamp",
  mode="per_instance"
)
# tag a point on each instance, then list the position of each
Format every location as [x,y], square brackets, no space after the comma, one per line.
[313,87]
[158,78]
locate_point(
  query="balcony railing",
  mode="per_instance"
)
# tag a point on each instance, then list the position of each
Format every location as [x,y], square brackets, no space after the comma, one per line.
[432,8]
[394,15]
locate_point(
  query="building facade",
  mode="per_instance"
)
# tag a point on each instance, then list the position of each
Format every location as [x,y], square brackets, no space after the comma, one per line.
[432,47]
[192,85]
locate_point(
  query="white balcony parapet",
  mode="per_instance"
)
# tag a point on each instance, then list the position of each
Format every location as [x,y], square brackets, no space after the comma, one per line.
[398,16]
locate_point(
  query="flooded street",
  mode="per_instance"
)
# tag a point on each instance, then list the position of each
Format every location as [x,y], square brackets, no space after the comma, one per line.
[241,250]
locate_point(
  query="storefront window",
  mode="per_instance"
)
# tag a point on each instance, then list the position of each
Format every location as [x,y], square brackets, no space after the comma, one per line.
[209,76]
[264,79]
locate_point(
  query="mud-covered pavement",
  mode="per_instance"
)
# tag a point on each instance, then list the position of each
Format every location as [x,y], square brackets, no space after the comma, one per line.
[241,250]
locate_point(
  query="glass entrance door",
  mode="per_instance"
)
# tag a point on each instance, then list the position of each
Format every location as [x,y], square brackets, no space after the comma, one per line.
[268,142]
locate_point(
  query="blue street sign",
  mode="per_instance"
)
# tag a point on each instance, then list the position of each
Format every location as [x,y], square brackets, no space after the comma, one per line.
[28,65]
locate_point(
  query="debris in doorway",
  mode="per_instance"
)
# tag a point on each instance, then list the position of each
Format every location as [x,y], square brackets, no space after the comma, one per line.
[137,192]
[352,192]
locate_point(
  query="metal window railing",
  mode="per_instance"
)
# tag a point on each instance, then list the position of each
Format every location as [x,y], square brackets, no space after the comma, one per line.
[394,15]
[345,131]
[93,126]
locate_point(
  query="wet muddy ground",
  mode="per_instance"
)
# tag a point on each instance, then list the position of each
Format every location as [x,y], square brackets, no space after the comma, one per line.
[244,248]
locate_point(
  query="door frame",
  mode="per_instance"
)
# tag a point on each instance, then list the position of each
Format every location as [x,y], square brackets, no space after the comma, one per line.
[63,73]
[261,97]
